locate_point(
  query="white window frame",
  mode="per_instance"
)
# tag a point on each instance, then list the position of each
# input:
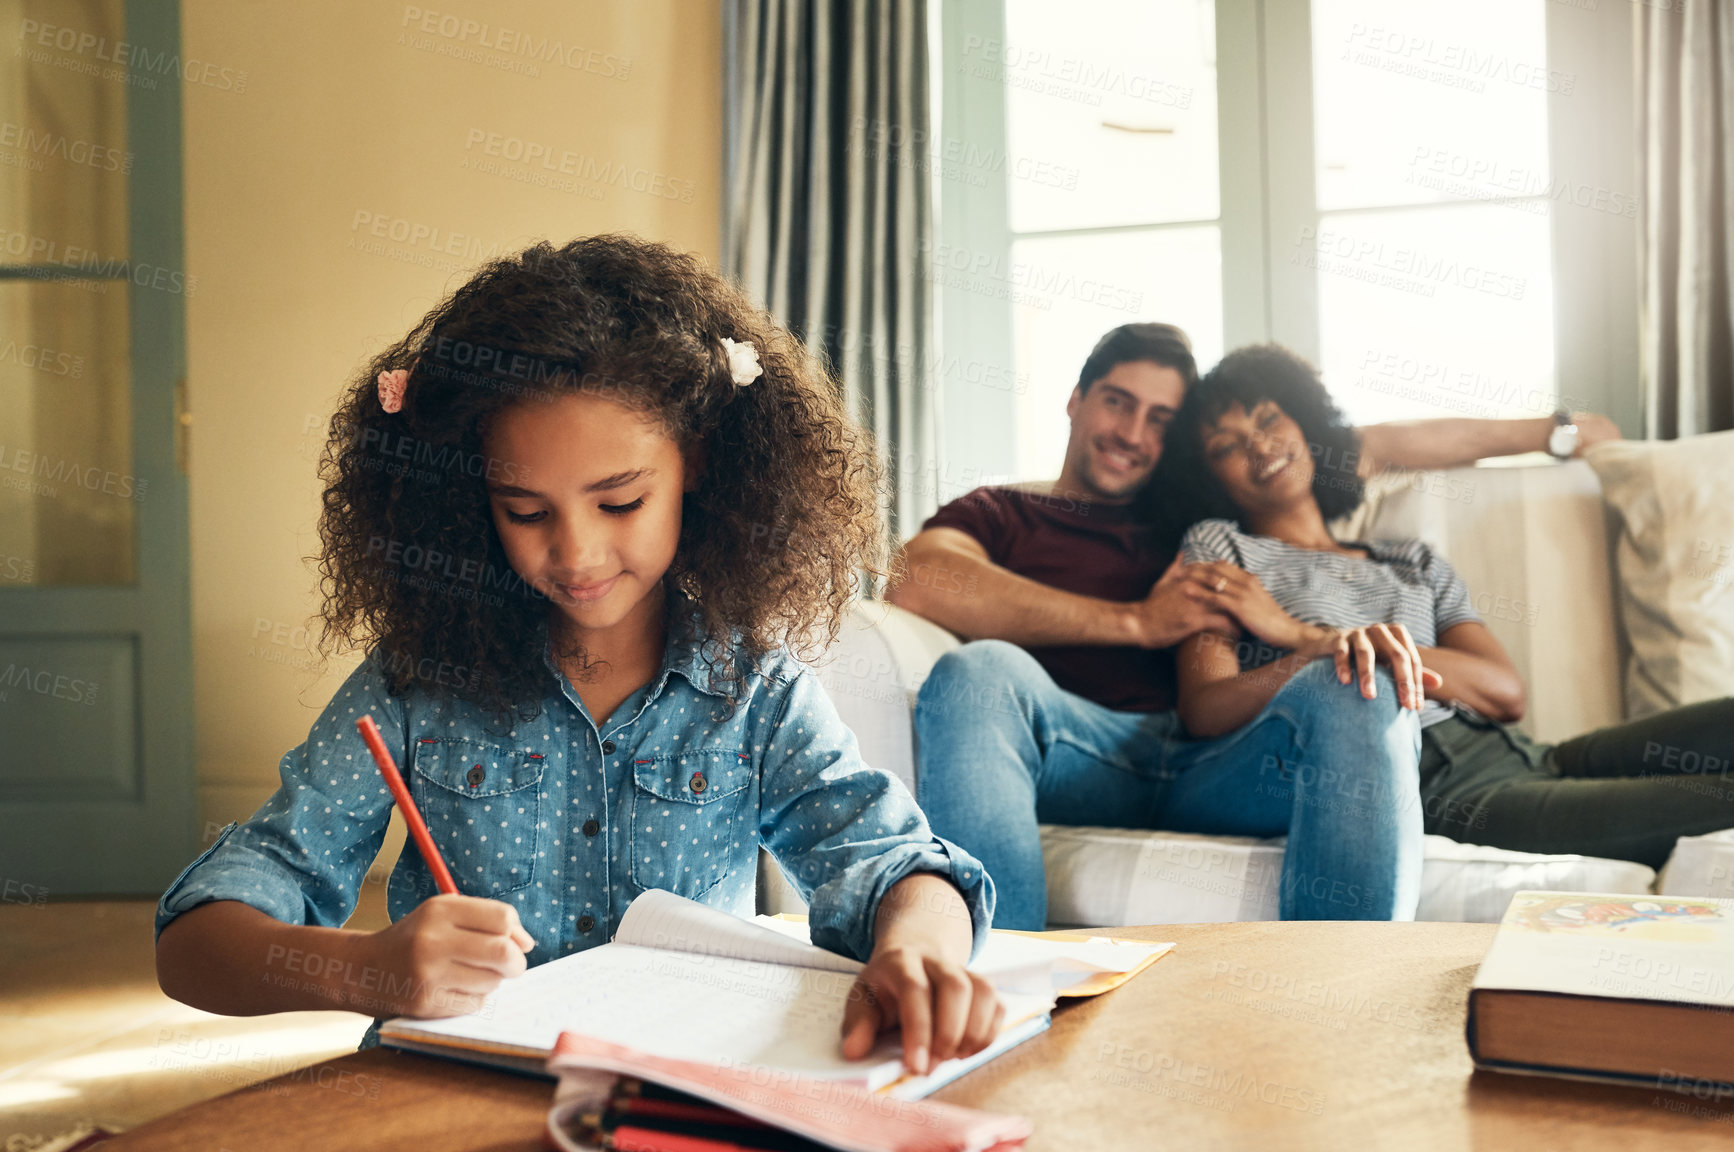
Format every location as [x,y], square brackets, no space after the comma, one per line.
[1265,150]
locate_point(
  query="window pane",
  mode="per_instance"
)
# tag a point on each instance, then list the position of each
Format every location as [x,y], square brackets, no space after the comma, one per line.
[1110,111]
[67,489]
[1435,311]
[67,492]
[1434,101]
[64,159]
[1072,289]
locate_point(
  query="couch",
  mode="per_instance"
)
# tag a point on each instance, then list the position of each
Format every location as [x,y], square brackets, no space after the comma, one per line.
[1533,543]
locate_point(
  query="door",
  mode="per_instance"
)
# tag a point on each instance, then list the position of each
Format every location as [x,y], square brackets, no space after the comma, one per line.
[96,753]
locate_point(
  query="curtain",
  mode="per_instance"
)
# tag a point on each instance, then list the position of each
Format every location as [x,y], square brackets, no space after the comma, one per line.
[1685,65]
[829,213]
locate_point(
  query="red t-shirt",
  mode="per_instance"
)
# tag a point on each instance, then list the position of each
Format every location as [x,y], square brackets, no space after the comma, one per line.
[1103,550]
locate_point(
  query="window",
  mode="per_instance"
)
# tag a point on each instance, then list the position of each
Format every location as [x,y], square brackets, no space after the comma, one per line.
[1410,196]
[1432,250]
[1113,197]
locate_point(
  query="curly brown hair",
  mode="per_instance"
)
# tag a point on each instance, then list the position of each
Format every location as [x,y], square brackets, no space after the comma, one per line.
[773,543]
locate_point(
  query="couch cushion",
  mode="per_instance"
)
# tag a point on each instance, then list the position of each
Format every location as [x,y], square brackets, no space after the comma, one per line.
[1532,543]
[1676,566]
[1700,866]
[1108,876]
[1101,877]
[1474,883]
[872,674]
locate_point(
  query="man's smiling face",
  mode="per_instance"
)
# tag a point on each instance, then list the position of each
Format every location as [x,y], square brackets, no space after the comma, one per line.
[1117,428]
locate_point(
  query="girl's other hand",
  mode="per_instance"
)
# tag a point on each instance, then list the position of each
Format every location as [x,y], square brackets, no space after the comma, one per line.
[446,956]
[944,1009]
[918,979]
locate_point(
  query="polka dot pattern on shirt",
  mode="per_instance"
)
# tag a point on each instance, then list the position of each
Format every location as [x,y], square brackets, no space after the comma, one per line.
[683,802]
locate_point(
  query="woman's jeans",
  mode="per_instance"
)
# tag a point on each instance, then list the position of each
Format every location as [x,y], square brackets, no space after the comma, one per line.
[1627,792]
[1002,748]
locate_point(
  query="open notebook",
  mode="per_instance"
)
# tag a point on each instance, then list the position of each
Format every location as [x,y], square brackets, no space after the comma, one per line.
[691,982]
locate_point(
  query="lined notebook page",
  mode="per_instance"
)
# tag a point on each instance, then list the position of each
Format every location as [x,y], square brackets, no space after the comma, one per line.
[684,980]
[658,919]
[717,1009]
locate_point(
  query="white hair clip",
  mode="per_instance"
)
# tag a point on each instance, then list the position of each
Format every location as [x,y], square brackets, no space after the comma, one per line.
[744,365]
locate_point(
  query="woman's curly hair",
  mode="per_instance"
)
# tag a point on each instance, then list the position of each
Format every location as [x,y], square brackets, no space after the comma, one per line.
[1246,377]
[773,542]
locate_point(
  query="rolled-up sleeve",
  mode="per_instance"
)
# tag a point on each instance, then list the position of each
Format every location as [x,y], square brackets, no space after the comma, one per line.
[1452,604]
[844,832]
[1210,540]
[302,857]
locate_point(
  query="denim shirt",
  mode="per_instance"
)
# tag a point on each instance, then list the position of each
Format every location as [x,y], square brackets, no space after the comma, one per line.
[568,821]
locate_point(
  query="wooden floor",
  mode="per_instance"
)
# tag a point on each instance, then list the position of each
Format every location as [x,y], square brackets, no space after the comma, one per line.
[86,1036]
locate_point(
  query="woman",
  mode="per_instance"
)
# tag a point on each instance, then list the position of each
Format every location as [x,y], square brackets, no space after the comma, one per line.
[1262,460]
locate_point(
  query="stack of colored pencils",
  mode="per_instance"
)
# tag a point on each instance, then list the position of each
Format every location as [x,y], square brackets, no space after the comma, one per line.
[645,1117]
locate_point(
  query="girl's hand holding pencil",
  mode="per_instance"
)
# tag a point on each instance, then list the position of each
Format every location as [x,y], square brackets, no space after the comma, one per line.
[446,956]
[449,953]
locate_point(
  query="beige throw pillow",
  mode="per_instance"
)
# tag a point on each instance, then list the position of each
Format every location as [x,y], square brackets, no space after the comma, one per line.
[1674,501]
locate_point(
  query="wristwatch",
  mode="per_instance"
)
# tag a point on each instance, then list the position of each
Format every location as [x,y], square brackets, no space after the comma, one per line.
[1562,441]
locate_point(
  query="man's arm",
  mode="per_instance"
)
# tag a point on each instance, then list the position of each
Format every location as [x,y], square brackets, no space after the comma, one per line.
[945,575]
[1457,443]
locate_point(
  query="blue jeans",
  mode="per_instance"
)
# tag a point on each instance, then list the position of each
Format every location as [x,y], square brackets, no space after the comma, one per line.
[1003,748]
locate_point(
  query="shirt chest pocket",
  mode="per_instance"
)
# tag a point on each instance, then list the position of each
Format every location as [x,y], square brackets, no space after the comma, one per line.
[693,819]
[483,804]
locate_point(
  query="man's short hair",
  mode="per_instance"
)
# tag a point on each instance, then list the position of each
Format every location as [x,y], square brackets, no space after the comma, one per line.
[1162,344]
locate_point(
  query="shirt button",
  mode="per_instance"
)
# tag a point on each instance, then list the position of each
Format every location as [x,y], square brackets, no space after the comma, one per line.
[585,923]
[591,827]
[608,747]
[697,782]
[475,776]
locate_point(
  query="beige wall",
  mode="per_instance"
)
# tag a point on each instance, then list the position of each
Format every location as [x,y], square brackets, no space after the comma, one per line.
[345,114]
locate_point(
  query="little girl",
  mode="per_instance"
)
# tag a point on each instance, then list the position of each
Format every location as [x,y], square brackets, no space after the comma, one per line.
[578,517]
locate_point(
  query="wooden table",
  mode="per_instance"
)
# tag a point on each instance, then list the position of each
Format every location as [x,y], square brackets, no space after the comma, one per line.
[1248,1036]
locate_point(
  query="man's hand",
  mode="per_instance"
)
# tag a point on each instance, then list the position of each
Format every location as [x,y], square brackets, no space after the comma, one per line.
[1592,430]
[1187,599]
[453,951]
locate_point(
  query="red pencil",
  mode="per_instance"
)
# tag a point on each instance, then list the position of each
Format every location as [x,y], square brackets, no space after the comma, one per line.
[400,792]
[649,1140]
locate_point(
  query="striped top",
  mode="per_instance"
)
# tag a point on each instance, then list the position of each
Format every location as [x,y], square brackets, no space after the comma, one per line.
[1399,582]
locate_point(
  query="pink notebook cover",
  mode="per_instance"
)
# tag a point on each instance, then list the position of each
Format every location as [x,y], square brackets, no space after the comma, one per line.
[846,1117]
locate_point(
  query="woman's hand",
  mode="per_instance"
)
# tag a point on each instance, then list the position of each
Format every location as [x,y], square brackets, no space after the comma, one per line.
[1257,610]
[916,979]
[1358,651]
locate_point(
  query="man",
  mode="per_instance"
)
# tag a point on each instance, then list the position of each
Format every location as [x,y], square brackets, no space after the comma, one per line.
[1061,709]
